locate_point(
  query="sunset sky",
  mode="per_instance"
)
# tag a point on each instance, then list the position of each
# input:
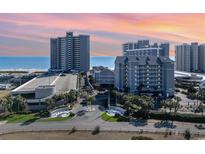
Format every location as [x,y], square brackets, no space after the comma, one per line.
[29,34]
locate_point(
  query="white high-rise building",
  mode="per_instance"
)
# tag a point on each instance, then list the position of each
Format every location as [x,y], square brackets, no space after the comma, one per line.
[144,48]
[183,57]
[190,57]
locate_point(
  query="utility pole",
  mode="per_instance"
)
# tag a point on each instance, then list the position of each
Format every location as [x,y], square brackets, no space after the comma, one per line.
[49,80]
[116,99]
[109,99]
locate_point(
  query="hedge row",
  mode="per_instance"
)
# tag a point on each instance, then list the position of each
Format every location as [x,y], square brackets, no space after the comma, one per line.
[178,117]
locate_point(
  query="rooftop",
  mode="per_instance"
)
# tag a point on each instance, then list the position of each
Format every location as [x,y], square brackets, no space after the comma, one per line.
[61,83]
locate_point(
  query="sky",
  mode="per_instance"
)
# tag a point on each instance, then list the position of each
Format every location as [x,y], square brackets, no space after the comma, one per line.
[29,34]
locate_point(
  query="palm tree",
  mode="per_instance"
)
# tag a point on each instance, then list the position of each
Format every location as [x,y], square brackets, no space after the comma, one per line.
[129,108]
[147,104]
[8,103]
[3,104]
[67,98]
[176,105]
[178,99]
[90,99]
[73,95]
[19,103]
[164,105]
[49,103]
[128,98]
[170,105]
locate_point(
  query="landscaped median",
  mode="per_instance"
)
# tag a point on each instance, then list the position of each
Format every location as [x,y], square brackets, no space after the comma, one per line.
[116,118]
[71,115]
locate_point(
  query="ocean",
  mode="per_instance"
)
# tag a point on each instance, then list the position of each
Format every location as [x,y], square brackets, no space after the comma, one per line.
[43,63]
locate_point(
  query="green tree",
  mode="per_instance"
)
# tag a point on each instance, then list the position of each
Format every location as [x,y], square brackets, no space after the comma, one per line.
[129,108]
[164,104]
[178,99]
[146,105]
[14,104]
[170,104]
[19,103]
[191,89]
[90,100]
[138,103]
[49,103]
[9,103]
[3,104]
[176,104]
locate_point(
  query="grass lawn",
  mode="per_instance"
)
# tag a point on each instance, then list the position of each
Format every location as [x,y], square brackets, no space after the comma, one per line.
[109,118]
[29,118]
[19,118]
[57,118]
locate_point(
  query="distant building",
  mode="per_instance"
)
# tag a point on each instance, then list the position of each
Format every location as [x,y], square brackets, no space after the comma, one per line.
[70,53]
[143,48]
[194,57]
[103,75]
[190,57]
[5,86]
[145,74]
[183,57]
[202,57]
[191,79]
[44,86]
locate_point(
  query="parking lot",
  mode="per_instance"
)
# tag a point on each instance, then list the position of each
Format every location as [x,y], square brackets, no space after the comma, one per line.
[66,82]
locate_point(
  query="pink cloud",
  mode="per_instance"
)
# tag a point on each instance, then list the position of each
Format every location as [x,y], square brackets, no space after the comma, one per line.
[40,27]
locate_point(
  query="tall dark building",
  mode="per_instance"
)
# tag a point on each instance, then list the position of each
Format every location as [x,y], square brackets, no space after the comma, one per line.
[70,53]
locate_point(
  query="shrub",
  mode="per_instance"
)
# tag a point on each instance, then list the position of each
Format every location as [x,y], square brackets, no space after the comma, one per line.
[73,130]
[166,133]
[177,90]
[187,134]
[141,138]
[141,131]
[72,114]
[96,130]
[44,113]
